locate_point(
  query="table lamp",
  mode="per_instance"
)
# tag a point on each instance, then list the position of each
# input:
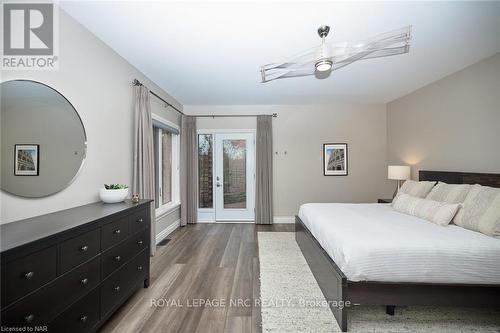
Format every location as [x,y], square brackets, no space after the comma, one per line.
[399,173]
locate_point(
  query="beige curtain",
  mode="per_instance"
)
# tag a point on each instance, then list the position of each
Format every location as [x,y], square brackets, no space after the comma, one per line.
[189,171]
[143,182]
[264,172]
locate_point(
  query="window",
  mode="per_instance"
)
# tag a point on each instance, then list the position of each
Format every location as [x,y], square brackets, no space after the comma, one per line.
[205,172]
[166,148]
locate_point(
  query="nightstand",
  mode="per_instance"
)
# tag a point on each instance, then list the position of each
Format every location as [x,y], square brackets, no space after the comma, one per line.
[384,200]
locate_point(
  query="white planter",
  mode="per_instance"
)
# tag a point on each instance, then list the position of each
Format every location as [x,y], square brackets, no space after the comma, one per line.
[112,196]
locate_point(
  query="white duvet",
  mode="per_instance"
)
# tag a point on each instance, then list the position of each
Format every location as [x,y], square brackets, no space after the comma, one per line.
[372,242]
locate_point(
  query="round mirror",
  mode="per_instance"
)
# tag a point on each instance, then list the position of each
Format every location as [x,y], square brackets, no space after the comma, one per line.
[42,138]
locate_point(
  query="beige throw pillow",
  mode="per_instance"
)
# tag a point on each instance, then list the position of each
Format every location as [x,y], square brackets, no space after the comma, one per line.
[481,211]
[437,212]
[417,189]
[449,193]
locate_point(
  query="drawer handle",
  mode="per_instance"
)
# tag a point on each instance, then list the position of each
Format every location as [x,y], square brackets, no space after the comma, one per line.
[84,281]
[83,319]
[140,220]
[117,231]
[118,258]
[140,242]
[139,268]
[84,248]
[29,275]
[117,288]
[29,318]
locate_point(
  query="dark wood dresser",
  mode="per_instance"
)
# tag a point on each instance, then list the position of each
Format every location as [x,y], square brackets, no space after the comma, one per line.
[69,271]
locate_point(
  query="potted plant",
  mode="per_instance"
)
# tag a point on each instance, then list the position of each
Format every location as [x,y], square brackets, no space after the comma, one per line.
[112,193]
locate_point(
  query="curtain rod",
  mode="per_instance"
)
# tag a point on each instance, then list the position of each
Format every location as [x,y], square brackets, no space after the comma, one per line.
[138,83]
[274,115]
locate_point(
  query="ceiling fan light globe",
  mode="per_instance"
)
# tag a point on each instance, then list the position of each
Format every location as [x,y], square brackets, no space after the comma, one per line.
[323,65]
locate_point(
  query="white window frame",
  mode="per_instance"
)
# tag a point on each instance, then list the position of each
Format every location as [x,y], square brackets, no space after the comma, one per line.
[167,208]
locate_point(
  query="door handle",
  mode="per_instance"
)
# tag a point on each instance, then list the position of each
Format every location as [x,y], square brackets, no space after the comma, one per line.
[218,184]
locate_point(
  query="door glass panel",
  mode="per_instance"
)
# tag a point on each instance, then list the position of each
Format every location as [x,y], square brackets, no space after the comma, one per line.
[205,175]
[234,169]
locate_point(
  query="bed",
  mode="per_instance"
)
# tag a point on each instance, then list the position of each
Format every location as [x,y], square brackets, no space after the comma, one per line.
[382,257]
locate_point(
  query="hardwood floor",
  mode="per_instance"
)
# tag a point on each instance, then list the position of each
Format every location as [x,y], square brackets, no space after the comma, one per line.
[214,262]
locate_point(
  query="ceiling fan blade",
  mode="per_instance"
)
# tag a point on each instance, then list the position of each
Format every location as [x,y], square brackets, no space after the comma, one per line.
[294,74]
[376,45]
[295,69]
[302,63]
[297,60]
[388,52]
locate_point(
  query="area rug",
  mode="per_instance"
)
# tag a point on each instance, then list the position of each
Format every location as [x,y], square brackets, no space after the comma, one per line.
[291,301]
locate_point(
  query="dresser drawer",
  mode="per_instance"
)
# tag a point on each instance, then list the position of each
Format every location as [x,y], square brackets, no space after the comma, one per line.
[120,284]
[139,266]
[78,250]
[120,254]
[114,232]
[24,275]
[138,221]
[80,317]
[44,305]
[140,241]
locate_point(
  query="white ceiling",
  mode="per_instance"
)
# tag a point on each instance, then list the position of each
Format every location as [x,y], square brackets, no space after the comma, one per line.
[210,52]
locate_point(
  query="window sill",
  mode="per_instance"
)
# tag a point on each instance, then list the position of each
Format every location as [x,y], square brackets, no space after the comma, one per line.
[166,209]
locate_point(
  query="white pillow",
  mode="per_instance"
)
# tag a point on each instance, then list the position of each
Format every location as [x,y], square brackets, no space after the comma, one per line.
[434,211]
[481,211]
[417,189]
[449,193]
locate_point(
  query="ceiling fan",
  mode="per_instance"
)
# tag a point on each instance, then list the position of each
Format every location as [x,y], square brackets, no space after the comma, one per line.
[325,58]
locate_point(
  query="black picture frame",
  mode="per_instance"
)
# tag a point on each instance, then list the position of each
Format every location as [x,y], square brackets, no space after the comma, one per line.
[341,172]
[17,171]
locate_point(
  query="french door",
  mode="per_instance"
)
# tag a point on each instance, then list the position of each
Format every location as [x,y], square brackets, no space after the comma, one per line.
[232,185]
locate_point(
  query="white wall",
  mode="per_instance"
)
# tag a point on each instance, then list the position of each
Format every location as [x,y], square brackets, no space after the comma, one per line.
[97,81]
[301,132]
[452,124]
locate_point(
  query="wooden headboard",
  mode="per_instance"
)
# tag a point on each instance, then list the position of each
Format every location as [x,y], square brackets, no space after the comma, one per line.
[450,177]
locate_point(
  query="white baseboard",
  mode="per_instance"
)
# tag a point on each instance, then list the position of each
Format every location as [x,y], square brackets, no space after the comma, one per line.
[284,219]
[167,231]
[205,221]
[277,219]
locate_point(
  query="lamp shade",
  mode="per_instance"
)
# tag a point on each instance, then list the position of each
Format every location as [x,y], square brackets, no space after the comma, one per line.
[398,172]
